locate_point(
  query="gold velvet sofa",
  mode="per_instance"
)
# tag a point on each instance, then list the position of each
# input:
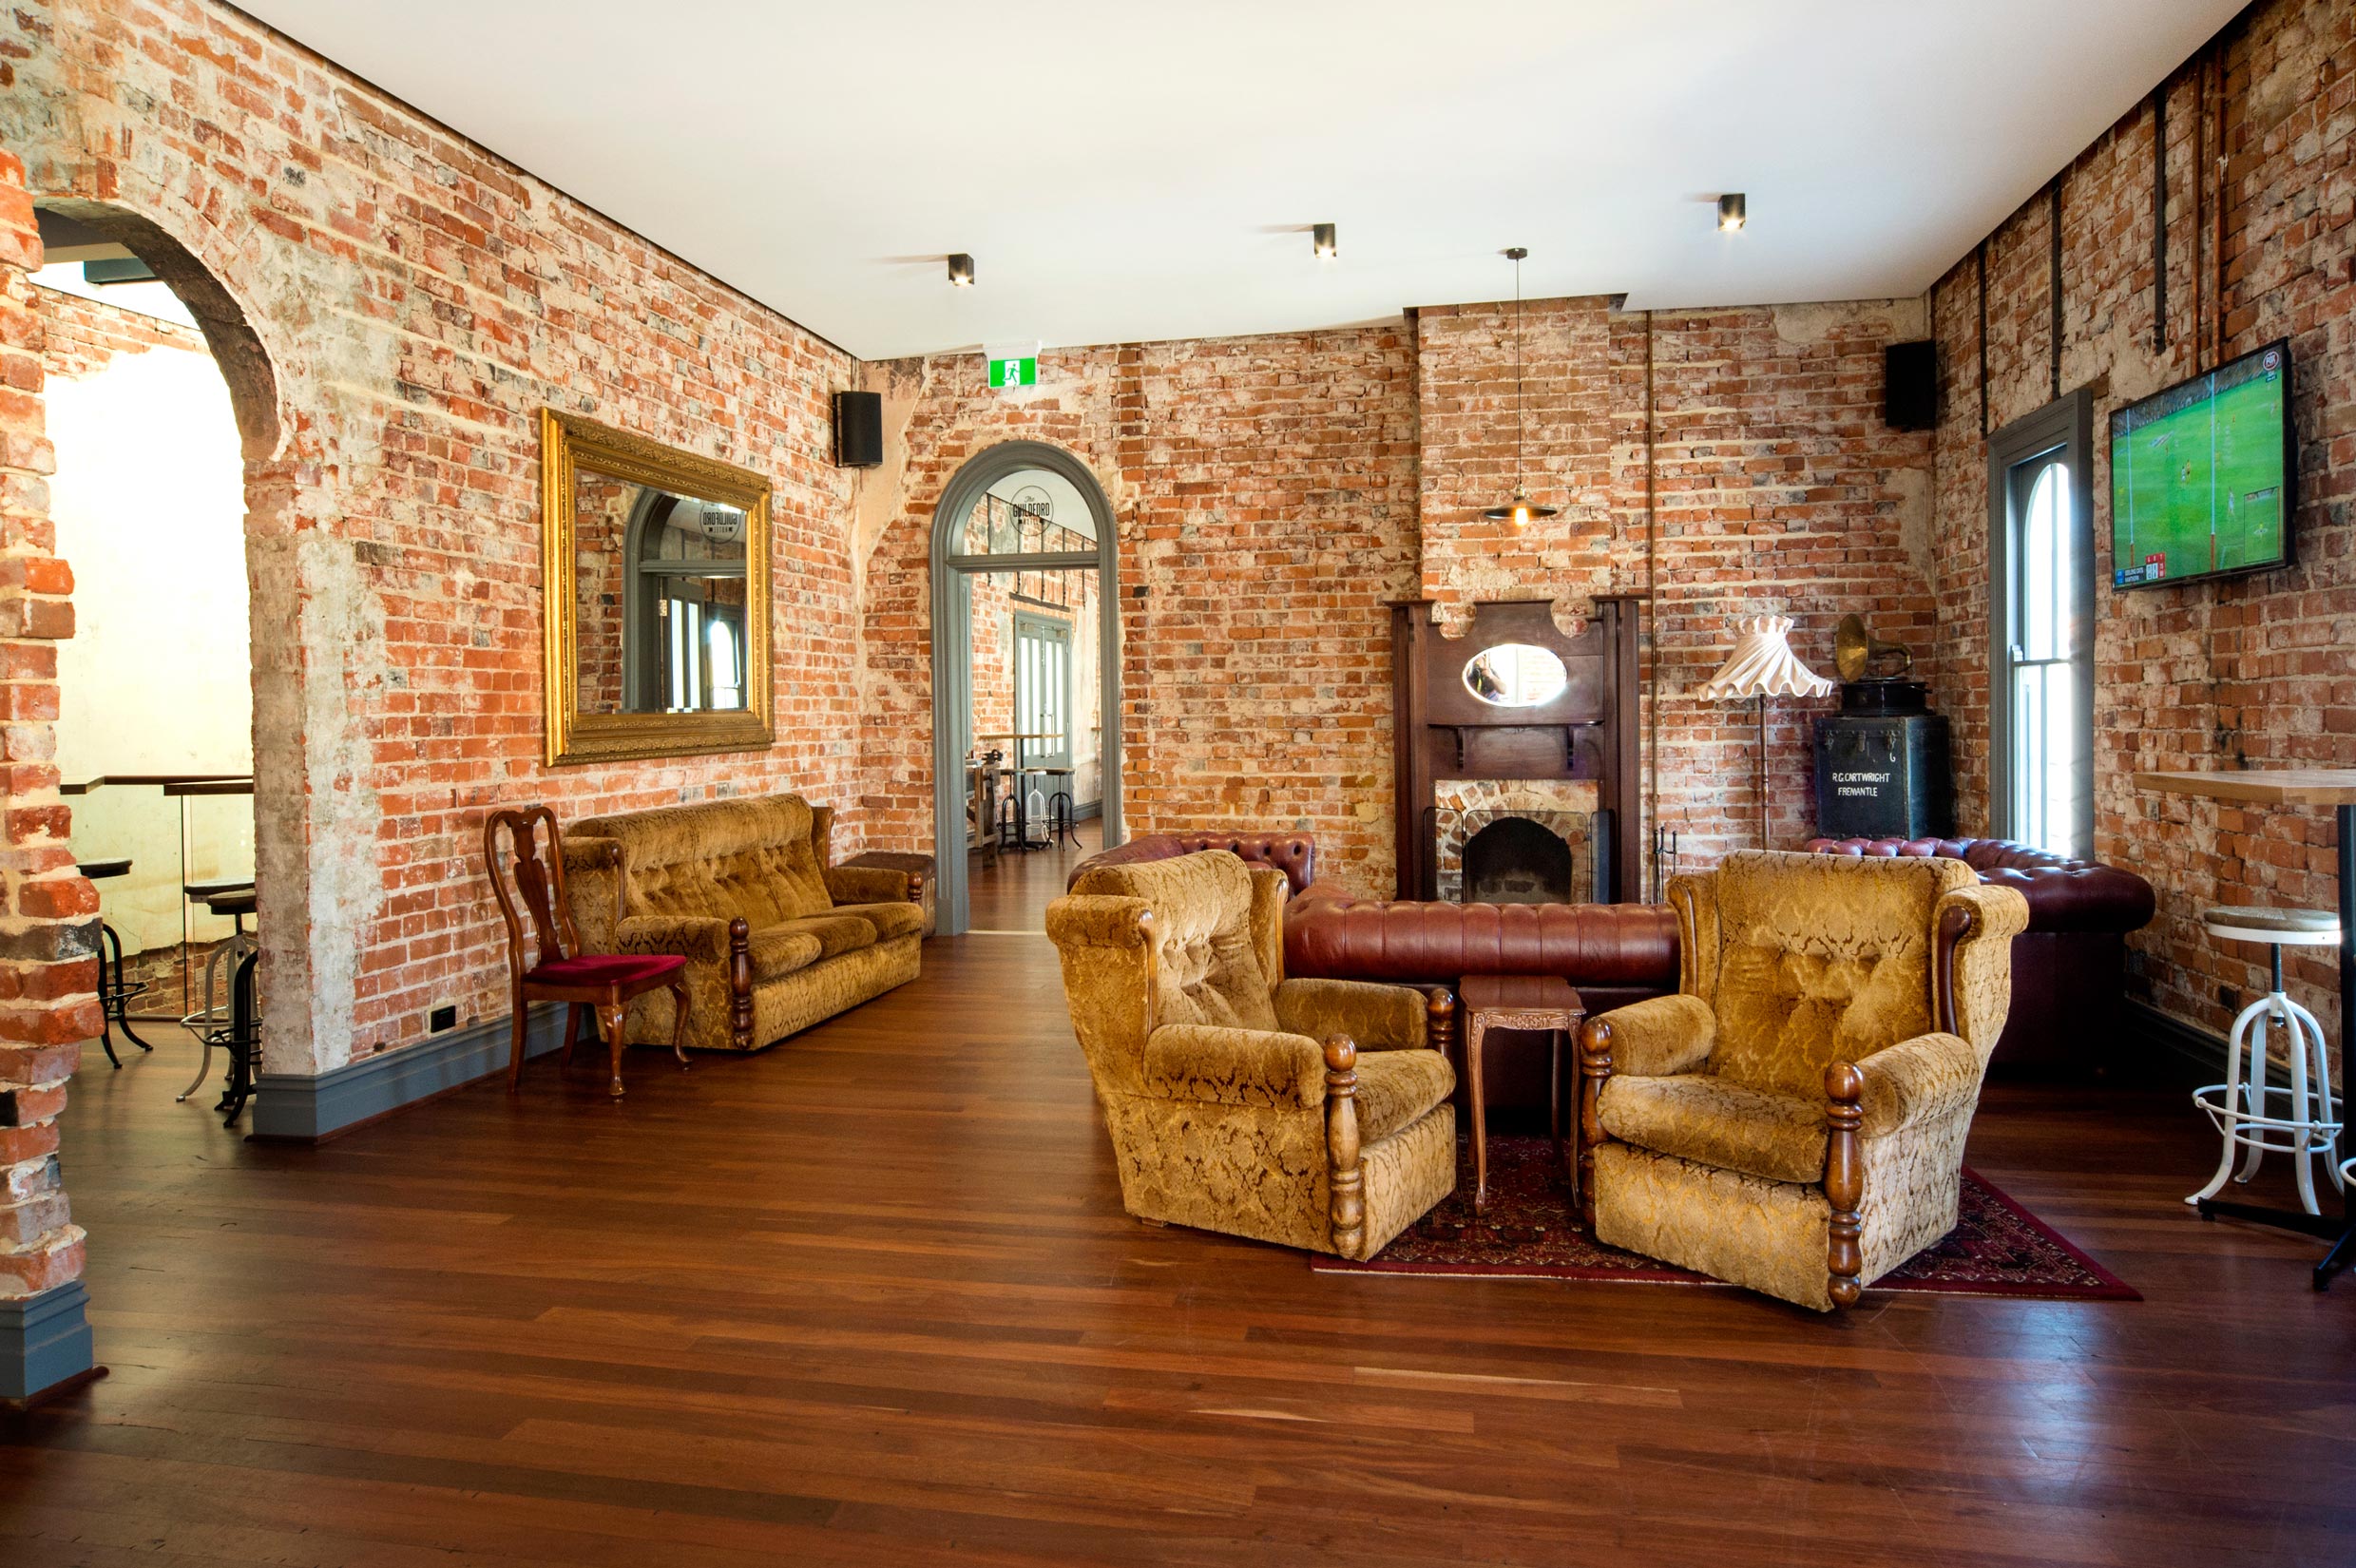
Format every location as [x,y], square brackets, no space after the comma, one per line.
[1794,1119]
[775,938]
[1311,1113]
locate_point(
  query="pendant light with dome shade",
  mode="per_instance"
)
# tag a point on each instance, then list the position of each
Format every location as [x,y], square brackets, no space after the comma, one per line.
[1520,512]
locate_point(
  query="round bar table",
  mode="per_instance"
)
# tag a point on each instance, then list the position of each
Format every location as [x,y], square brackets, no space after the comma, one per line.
[1021,816]
[2336,788]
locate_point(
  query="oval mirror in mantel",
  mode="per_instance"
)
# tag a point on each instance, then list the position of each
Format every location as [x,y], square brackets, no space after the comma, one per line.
[1516,675]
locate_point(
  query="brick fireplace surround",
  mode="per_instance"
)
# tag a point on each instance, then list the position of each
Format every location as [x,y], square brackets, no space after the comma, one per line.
[1564,808]
[393,305]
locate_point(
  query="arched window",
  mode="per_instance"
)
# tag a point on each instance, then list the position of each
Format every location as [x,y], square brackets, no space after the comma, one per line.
[685,599]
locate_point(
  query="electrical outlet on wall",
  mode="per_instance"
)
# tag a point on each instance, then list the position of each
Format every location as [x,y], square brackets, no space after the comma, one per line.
[443,1016]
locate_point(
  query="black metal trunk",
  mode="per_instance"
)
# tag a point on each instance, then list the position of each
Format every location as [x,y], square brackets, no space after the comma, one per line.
[1884,774]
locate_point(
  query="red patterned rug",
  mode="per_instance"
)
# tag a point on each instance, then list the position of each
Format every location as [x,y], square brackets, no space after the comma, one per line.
[1528,1232]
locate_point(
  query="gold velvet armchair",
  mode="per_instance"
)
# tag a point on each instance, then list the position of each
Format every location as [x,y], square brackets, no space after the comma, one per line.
[1312,1113]
[1793,1119]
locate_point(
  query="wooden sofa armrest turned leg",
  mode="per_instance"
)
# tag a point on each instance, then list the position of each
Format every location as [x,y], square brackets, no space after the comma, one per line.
[1845,1181]
[741,983]
[1595,1065]
[915,887]
[1440,1021]
[1346,1178]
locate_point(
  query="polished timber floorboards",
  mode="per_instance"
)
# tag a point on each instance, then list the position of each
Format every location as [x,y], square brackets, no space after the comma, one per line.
[1011,892]
[870,1298]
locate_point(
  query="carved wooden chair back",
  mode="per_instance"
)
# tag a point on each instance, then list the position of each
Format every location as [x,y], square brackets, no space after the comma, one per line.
[521,874]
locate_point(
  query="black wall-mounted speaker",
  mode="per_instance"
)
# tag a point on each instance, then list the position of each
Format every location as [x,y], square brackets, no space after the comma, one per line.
[858,430]
[1911,385]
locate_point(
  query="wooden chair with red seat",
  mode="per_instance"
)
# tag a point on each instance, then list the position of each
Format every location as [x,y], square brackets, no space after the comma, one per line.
[602,983]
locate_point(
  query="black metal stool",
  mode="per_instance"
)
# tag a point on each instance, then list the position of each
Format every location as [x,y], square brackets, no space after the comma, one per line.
[1014,823]
[114,992]
[244,1041]
[240,1034]
[1059,825]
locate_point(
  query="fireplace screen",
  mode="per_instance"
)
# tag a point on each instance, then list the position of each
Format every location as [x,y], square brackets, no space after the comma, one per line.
[1517,861]
[1509,855]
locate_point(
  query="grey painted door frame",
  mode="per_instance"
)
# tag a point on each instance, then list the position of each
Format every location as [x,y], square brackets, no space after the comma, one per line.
[953,647]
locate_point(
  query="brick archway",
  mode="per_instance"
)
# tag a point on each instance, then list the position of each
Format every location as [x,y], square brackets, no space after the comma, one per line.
[48,912]
[49,965]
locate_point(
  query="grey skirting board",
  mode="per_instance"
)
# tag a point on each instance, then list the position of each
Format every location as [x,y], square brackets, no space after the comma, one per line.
[288,1105]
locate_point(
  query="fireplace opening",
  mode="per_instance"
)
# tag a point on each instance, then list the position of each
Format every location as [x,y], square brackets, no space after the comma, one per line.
[1516,861]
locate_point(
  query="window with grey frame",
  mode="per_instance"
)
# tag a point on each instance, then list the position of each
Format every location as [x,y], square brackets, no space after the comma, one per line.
[2040,626]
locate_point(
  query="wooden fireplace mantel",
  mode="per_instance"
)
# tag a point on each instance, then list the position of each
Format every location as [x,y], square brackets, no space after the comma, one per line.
[1589,732]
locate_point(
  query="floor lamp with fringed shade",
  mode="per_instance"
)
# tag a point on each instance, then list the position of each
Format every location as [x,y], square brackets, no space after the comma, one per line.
[1763,666]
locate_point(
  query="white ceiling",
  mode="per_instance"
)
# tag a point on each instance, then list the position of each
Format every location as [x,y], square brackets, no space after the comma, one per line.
[1125,172]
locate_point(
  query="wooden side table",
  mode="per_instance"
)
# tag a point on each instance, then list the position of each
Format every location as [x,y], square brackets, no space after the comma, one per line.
[1514,1001]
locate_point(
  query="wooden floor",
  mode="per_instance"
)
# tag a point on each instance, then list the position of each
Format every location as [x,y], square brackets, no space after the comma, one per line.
[1010,892]
[870,1298]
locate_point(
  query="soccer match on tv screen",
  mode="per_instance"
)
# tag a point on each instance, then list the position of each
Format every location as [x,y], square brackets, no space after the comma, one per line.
[2199,482]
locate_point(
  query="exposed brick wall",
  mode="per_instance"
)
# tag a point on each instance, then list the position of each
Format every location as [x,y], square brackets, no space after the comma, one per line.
[600,530]
[1277,494]
[48,968]
[81,336]
[1775,484]
[992,655]
[2258,670]
[1264,488]
[418,302]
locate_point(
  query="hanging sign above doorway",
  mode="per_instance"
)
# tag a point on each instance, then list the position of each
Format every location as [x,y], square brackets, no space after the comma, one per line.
[1013,364]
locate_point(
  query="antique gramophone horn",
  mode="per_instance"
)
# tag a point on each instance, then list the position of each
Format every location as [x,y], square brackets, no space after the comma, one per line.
[1856,650]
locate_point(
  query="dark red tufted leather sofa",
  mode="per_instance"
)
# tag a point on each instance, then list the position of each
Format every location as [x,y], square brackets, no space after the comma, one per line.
[1294,854]
[2068,967]
[1613,953]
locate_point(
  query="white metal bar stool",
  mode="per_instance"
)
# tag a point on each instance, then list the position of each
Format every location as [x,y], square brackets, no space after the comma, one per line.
[222,964]
[2244,1107]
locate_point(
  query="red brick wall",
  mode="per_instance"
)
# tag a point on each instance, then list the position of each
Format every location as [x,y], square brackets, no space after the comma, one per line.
[2259,670]
[1264,488]
[48,968]
[81,336]
[992,655]
[419,301]
[1775,488]
[601,536]
[1277,494]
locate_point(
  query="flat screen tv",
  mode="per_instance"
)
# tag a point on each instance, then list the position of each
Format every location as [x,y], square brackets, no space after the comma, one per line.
[2202,475]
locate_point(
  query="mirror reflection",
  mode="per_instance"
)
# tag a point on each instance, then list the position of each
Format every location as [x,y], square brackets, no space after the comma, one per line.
[659,583]
[1516,675]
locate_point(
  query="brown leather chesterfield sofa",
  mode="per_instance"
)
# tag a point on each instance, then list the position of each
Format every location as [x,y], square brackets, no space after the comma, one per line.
[1294,854]
[2068,967]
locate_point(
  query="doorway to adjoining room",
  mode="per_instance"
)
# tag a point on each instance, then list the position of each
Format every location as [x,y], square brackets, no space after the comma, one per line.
[1027,771]
[154,728]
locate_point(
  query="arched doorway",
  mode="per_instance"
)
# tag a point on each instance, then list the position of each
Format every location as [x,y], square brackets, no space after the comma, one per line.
[999,516]
[161,759]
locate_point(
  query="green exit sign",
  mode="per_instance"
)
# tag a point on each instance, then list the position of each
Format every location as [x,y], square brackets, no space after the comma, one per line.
[1012,364]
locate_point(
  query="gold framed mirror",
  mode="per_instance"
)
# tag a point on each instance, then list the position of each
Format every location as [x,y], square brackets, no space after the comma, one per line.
[658,597]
